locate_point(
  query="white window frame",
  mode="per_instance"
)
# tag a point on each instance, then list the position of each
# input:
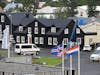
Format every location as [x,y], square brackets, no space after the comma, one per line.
[66,31]
[29,30]
[54,40]
[65,41]
[36,24]
[20,28]
[78,40]
[77,30]
[90,41]
[17,39]
[41,40]
[42,30]
[49,40]
[22,39]
[2,18]
[36,41]
[36,30]
[53,29]
[1,28]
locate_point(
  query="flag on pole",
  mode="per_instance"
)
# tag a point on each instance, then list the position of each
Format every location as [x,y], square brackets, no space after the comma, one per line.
[56,50]
[5,39]
[73,50]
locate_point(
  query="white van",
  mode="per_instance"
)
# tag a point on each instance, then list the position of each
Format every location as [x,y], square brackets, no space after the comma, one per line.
[26,49]
[96,55]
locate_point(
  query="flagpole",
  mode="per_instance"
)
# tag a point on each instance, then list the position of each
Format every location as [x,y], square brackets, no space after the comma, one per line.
[79,61]
[70,64]
[63,59]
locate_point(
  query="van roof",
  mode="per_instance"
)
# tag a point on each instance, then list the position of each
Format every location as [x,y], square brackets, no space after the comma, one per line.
[24,44]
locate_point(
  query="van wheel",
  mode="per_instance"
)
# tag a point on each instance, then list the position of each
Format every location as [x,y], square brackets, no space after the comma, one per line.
[18,53]
[37,53]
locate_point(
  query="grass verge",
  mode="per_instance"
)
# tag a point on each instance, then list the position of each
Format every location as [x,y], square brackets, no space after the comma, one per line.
[47,61]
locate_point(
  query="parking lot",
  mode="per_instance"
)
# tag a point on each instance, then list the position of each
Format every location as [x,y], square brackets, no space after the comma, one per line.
[87,66]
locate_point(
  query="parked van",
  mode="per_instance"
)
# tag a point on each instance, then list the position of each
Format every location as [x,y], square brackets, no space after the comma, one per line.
[96,55]
[26,49]
[87,48]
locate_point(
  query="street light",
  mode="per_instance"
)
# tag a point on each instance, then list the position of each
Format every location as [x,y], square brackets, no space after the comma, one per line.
[10,36]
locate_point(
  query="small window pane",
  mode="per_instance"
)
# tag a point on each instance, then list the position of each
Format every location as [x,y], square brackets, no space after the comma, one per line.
[42,30]
[0,27]
[36,40]
[41,40]
[53,29]
[55,41]
[77,30]
[29,30]
[78,40]
[36,24]
[66,31]
[18,39]
[20,28]
[65,41]
[2,18]
[36,30]
[23,39]
[49,40]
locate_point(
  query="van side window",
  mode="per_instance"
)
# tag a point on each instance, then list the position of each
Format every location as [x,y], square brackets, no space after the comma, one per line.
[17,46]
[26,46]
[34,46]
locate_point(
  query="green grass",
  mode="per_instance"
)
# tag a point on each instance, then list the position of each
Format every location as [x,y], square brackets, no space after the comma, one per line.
[47,61]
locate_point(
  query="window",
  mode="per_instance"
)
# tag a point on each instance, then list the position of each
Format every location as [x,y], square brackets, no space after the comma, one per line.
[78,40]
[53,29]
[27,46]
[2,18]
[0,35]
[42,30]
[65,41]
[0,27]
[41,40]
[77,30]
[23,39]
[29,30]
[36,40]
[18,39]
[36,24]
[54,41]
[66,31]
[49,40]
[21,28]
[35,30]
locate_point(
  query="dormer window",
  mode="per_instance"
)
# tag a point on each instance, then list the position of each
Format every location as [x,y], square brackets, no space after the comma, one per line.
[36,24]
[29,30]
[66,31]
[78,31]
[53,29]
[42,30]
[2,18]
[20,28]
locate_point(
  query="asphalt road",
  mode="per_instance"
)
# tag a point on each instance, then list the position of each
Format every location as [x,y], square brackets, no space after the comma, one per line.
[87,67]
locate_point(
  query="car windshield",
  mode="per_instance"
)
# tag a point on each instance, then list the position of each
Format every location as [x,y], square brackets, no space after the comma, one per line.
[97,52]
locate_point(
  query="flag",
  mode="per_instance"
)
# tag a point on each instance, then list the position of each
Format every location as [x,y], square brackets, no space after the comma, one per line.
[56,50]
[73,50]
[5,39]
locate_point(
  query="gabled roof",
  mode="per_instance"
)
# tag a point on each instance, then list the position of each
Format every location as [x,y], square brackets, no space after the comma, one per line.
[20,18]
[59,23]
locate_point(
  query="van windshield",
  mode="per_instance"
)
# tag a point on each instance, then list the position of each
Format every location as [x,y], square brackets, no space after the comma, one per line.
[26,46]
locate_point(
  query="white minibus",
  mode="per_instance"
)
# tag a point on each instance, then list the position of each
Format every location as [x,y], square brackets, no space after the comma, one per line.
[26,49]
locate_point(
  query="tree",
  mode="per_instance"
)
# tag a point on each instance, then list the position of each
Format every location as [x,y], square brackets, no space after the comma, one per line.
[68,9]
[28,6]
[92,8]
[2,4]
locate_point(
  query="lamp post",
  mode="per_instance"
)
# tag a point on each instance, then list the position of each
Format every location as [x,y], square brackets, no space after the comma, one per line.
[10,37]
